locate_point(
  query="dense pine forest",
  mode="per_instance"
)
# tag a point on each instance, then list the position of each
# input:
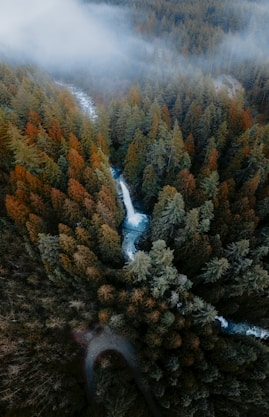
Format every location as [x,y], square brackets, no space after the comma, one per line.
[194,151]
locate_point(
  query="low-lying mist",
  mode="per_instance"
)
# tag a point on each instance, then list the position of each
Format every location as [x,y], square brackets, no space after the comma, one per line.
[251,42]
[74,36]
[65,35]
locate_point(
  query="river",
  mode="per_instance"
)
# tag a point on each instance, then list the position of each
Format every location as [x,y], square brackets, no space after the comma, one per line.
[136,223]
[225,82]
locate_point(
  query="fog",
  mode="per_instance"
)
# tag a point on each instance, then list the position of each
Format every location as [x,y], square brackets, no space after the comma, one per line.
[70,35]
[252,40]
[249,42]
[66,34]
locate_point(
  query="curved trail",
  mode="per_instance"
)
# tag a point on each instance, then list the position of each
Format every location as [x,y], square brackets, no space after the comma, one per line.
[102,340]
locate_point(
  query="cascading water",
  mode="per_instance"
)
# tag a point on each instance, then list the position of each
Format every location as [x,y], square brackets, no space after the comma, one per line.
[137,223]
[134,219]
[230,327]
[131,215]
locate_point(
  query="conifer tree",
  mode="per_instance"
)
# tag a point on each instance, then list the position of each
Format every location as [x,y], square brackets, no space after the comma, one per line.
[168,214]
[109,244]
[135,161]
[139,267]
[24,154]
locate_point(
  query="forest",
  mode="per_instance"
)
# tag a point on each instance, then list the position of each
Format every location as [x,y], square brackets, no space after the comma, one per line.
[194,152]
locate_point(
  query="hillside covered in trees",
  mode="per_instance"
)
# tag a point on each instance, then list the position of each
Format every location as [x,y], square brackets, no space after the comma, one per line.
[195,154]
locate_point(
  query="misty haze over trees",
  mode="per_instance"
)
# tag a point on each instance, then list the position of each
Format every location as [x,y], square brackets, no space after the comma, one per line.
[181,91]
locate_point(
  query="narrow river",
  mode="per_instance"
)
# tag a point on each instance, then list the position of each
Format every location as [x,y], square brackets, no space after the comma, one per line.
[135,224]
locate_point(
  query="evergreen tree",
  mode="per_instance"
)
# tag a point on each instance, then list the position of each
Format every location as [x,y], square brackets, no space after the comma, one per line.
[135,161]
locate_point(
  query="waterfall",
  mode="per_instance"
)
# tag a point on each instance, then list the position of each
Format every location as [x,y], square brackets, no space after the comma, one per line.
[127,202]
[133,218]
[134,225]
